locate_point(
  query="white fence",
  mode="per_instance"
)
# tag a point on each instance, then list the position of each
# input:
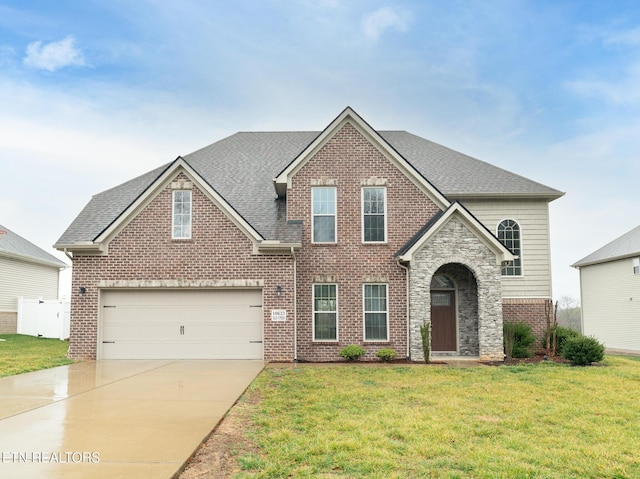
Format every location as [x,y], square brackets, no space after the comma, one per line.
[45,318]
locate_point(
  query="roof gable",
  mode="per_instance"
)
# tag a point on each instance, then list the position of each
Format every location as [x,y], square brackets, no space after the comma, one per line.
[625,246]
[456,210]
[283,180]
[99,244]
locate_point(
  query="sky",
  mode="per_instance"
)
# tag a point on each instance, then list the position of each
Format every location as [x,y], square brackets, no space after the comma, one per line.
[93,93]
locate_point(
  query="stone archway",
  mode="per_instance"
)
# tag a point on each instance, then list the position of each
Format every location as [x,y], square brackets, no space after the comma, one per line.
[456,249]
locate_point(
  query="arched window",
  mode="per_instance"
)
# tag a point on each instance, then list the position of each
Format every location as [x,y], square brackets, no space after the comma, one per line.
[509,235]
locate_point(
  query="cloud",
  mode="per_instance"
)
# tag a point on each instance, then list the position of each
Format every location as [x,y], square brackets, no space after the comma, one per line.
[376,23]
[53,56]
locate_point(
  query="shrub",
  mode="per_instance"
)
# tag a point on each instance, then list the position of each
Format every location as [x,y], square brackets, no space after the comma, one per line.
[583,350]
[386,354]
[352,352]
[425,333]
[563,335]
[523,339]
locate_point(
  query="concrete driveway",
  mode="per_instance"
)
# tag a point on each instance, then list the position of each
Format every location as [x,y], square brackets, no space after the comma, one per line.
[111,419]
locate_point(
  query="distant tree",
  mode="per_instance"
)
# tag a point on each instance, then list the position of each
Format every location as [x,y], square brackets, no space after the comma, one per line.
[569,313]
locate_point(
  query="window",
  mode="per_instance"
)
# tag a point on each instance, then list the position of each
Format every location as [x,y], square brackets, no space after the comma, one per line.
[325,312]
[324,215]
[373,215]
[375,312]
[181,228]
[509,235]
[636,265]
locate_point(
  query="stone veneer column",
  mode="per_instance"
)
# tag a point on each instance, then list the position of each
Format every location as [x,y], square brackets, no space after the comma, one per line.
[455,243]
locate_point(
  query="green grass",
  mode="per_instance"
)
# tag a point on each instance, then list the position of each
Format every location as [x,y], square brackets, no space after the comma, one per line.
[21,354]
[535,421]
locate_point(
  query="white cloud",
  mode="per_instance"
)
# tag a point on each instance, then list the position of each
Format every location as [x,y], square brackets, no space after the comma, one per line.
[53,56]
[625,90]
[374,24]
[624,37]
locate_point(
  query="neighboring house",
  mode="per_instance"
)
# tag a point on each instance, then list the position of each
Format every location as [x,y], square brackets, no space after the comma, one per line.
[610,293]
[25,270]
[292,245]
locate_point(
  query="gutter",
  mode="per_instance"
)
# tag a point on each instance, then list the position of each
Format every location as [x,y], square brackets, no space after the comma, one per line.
[295,306]
[408,314]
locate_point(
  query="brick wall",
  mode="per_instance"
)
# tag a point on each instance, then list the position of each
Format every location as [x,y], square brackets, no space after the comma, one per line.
[527,310]
[218,250]
[348,161]
[8,322]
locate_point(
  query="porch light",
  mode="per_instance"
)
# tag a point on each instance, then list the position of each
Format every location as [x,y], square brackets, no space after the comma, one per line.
[81,291]
[278,291]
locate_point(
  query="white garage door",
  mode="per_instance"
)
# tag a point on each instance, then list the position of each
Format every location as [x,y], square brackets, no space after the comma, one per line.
[189,324]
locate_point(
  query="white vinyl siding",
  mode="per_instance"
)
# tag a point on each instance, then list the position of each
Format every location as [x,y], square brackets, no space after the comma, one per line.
[611,304]
[30,280]
[533,218]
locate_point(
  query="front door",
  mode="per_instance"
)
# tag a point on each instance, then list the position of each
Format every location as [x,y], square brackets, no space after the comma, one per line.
[443,321]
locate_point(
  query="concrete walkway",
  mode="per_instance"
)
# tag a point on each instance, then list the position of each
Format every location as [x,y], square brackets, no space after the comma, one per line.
[112,419]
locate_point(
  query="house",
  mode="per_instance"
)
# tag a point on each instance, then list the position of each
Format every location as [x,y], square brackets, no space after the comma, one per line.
[291,245]
[25,270]
[610,293]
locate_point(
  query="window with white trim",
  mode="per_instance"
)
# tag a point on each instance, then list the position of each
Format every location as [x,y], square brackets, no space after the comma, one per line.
[376,314]
[636,265]
[374,219]
[325,312]
[181,222]
[323,201]
[509,235]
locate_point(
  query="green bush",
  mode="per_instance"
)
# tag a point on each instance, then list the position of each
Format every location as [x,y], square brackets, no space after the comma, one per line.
[583,350]
[352,352]
[562,336]
[523,339]
[386,354]
[425,334]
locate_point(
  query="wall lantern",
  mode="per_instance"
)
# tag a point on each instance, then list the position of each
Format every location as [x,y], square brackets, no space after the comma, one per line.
[278,291]
[81,291]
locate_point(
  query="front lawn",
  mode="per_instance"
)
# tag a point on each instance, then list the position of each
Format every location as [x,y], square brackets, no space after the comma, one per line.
[535,421]
[21,354]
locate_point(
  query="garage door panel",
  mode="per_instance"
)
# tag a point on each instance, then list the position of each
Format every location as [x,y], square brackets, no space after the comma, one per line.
[193,324]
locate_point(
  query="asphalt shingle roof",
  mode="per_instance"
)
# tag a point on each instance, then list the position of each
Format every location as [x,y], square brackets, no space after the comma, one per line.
[625,246]
[16,246]
[241,168]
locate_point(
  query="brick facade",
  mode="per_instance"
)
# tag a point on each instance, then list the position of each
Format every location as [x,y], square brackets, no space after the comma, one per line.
[218,251]
[221,255]
[8,322]
[348,161]
[527,310]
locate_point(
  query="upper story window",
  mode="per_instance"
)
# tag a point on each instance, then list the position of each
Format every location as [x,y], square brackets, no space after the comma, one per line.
[181,224]
[636,265]
[509,235]
[374,219]
[325,312]
[324,214]
[375,312]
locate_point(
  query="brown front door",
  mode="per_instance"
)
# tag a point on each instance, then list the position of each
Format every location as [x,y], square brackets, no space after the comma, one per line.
[443,321]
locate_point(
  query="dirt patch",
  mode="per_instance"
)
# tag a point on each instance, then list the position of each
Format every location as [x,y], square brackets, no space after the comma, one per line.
[217,457]
[535,359]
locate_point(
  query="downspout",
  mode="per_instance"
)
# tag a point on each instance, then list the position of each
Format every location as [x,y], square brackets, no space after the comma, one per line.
[295,307]
[66,253]
[408,355]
